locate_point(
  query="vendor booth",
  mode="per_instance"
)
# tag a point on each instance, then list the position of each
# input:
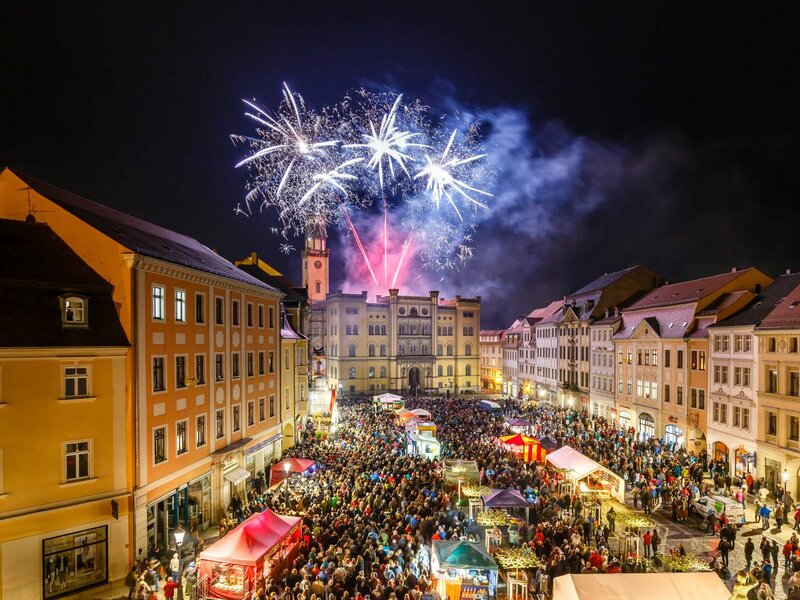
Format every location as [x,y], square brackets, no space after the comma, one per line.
[418,427]
[507,498]
[635,586]
[549,444]
[463,570]
[526,447]
[490,406]
[456,470]
[421,413]
[387,402]
[518,425]
[283,469]
[261,546]
[424,445]
[578,468]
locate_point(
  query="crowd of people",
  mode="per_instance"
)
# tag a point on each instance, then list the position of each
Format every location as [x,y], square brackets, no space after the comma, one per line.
[371,511]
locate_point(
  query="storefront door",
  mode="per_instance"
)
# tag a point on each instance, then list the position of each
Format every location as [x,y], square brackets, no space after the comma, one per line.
[672,433]
[647,426]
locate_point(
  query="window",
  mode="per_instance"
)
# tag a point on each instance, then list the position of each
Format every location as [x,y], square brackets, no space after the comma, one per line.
[724,375]
[180,371]
[468,370]
[272,406]
[261,363]
[772,380]
[220,423]
[271,362]
[235,357]
[158,303]
[449,370]
[745,418]
[748,343]
[236,417]
[737,376]
[261,413]
[286,398]
[250,364]
[667,356]
[715,412]
[73,311]
[77,460]
[73,561]
[199,308]
[440,370]
[249,314]
[271,317]
[76,382]
[160,444]
[180,437]
[772,423]
[698,360]
[235,313]
[680,359]
[287,360]
[200,431]
[383,372]
[449,349]
[794,429]
[717,370]
[468,350]
[158,374]
[679,398]
[439,350]
[639,357]
[630,356]
[654,354]
[352,372]
[200,369]
[351,350]
[771,344]
[666,392]
[620,386]
[654,391]
[630,387]
[619,355]
[219,311]
[794,383]
[723,413]
[371,373]
[371,350]
[180,306]
[737,416]
[219,362]
[383,350]
[261,316]
[746,376]
[638,387]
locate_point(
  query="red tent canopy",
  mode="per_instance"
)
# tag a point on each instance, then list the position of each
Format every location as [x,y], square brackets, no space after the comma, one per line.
[529,447]
[296,465]
[251,540]
[518,439]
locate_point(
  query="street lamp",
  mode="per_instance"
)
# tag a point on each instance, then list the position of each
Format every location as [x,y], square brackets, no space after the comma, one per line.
[785,477]
[179,533]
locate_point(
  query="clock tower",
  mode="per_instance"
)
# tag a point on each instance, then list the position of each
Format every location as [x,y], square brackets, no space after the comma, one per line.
[316,257]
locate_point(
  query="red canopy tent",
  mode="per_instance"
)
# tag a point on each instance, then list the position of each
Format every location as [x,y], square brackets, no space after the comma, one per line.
[296,465]
[261,544]
[529,447]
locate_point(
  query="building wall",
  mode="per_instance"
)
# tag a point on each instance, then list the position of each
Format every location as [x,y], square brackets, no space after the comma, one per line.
[602,370]
[546,361]
[491,364]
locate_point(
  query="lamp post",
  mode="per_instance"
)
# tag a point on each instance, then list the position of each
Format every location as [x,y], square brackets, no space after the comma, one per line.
[286,467]
[785,477]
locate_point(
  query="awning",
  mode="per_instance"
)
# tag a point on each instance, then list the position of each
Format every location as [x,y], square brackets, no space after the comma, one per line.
[263,444]
[236,475]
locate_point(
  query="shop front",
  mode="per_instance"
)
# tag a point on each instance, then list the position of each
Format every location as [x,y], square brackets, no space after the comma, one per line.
[74,561]
[647,426]
[722,454]
[673,435]
[262,454]
[189,506]
[624,418]
[744,461]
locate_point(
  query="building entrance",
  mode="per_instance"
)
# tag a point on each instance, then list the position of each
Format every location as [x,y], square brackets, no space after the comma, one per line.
[413,380]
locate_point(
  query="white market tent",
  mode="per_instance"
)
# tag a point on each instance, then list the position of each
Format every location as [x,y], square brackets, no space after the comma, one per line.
[640,586]
[579,467]
[388,398]
[422,413]
[489,405]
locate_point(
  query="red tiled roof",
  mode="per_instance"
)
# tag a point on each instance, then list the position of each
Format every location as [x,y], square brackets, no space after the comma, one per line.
[685,291]
[786,313]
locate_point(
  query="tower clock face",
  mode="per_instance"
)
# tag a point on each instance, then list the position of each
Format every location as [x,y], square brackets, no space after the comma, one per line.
[318,264]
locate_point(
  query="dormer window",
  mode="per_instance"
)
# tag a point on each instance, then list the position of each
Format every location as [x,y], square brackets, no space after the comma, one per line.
[74,311]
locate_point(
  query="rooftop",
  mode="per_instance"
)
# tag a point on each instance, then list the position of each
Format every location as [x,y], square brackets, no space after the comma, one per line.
[685,291]
[786,309]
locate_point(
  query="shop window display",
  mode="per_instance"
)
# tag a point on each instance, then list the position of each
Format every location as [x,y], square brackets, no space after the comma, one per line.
[74,561]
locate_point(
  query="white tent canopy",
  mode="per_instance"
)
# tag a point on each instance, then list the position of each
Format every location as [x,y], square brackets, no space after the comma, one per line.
[640,586]
[490,404]
[421,412]
[388,398]
[578,466]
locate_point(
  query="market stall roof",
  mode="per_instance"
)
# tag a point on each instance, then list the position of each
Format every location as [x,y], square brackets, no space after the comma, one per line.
[517,439]
[424,439]
[388,398]
[457,554]
[489,405]
[569,459]
[549,443]
[518,423]
[455,468]
[250,540]
[640,586]
[421,412]
[236,475]
[296,465]
[508,498]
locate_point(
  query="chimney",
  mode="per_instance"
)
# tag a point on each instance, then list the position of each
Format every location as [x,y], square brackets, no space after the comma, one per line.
[605,313]
[733,269]
[616,311]
[254,258]
[788,271]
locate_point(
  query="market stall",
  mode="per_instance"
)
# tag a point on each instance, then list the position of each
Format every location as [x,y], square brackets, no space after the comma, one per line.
[464,470]
[518,425]
[490,406]
[421,427]
[388,401]
[633,586]
[262,545]
[421,413]
[425,446]
[463,570]
[282,469]
[505,499]
[526,447]
[578,468]
[405,416]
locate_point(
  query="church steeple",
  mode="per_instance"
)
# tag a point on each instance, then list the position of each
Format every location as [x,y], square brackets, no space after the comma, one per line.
[316,257]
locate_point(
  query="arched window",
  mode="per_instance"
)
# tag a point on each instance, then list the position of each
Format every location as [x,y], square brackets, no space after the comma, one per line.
[424,350]
[383,349]
[468,370]
[73,311]
[318,287]
[413,312]
[449,370]
[440,370]
[439,350]
[466,330]
[424,330]
[401,350]
[371,349]
[352,372]
[383,372]
[371,329]
[383,329]
[413,349]
[468,350]
[428,372]
[438,330]
[403,372]
[450,330]
[449,349]
[355,329]
[351,350]
[347,329]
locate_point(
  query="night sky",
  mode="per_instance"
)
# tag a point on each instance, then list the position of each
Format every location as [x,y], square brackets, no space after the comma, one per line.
[662,133]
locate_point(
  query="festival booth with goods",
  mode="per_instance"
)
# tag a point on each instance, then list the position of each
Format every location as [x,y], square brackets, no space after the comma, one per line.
[261,546]
[579,469]
[636,586]
[418,427]
[421,413]
[463,570]
[506,499]
[456,470]
[519,425]
[284,468]
[526,447]
[388,402]
[490,406]
[426,446]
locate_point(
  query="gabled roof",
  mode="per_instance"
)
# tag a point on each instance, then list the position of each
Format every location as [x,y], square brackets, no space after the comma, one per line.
[554,312]
[39,269]
[288,333]
[604,281]
[541,313]
[764,303]
[685,291]
[141,236]
[787,311]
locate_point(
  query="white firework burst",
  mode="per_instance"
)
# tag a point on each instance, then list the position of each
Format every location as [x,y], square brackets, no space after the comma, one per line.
[287,248]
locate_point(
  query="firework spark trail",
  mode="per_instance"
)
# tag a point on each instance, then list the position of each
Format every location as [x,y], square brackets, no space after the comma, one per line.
[385,243]
[406,245]
[360,247]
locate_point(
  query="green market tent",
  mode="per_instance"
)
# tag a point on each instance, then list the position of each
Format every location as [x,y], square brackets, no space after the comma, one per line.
[466,470]
[457,554]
